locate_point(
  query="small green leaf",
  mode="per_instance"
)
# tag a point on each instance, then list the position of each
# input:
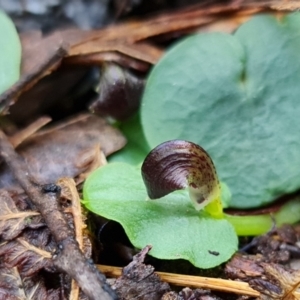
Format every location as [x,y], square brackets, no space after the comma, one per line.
[171,224]
[136,148]
[238,97]
[10,56]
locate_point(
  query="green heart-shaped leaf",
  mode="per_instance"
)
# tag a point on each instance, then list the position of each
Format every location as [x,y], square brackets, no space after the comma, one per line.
[171,224]
[238,97]
[10,56]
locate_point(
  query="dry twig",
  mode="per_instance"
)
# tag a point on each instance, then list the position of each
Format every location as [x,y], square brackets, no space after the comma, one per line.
[223,285]
[217,284]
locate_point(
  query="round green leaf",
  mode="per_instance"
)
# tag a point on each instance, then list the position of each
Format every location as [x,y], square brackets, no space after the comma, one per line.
[10,56]
[238,97]
[171,224]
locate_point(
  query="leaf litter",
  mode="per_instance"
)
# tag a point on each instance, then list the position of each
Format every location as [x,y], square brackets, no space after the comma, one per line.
[13,221]
[46,151]
[267,266]
[28,248]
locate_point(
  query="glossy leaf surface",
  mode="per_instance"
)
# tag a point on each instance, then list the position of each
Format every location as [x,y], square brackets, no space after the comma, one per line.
[238,97]
[171,224]
[10,56]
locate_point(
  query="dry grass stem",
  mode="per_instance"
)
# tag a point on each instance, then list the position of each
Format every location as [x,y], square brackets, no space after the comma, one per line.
[237,287]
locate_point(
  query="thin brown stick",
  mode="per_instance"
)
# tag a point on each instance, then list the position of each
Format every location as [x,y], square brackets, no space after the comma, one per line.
[237,287]
[69,190]
[68,257]
[223,285]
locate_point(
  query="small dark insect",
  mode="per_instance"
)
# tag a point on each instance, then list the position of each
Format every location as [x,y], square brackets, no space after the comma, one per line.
[215,253]
[51,188]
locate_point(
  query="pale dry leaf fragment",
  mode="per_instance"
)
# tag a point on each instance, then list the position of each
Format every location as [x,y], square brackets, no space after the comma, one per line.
[229,23]
[92,159]
[97,59]
[139,56]
[12,220]
[280,284]
[286,5]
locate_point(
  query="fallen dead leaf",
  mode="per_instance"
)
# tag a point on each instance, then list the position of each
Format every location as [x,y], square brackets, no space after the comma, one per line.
[65,150]
[272,280]
[40,56]
[20,136]
[244,267]
[279,284]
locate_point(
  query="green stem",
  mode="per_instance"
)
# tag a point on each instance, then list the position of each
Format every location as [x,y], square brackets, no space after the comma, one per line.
[251,225]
